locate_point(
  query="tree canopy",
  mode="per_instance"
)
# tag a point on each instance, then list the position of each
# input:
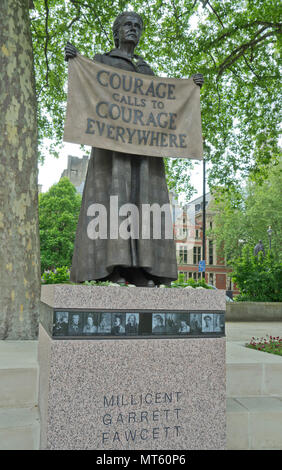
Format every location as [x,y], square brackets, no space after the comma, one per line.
[259,278]
[243,219]
[235,45]
[58,216]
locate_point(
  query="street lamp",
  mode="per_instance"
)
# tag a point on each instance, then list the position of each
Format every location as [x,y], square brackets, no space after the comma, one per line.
[269,232]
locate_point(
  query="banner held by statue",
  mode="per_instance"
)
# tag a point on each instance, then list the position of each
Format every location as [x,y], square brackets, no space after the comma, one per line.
[132,113]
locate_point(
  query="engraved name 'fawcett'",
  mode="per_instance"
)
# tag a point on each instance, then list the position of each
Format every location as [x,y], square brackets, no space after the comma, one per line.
[142,399]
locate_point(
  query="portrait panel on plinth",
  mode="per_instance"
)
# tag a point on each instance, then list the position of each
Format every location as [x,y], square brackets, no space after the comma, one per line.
[126,362]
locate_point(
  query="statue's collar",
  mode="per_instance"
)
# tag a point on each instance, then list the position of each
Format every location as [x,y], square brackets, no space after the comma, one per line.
[121,54]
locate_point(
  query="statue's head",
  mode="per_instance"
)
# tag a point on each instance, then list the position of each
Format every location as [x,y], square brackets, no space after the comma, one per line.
[121,22]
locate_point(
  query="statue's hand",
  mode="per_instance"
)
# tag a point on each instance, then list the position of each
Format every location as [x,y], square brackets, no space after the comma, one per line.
[70,51]
[198,79]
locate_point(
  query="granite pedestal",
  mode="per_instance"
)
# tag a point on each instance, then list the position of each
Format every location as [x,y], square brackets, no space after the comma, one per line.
[148,388]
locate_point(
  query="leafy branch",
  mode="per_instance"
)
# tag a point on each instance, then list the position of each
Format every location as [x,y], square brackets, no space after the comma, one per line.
[239,51]
[46,42]
[92,7]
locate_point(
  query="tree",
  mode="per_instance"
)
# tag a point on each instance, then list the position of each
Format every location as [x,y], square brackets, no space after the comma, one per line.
[243,218]
[58,216]
[234,44]
[259,278]
[19,245]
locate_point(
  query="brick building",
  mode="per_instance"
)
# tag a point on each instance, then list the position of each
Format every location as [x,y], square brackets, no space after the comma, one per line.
[76,171]
[188,232]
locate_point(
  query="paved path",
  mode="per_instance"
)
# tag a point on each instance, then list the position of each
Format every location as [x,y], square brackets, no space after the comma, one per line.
[244,331]
[254,389]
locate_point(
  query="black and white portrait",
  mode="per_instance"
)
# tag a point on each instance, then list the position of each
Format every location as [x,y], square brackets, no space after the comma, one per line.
[177,323]
[158,324]
[75,324]
[132,323]
[171,323]
[61,324]
[218,325]
[207,323]
[118,324]
[105,326]
[196,323]
[183,325]
[90,323]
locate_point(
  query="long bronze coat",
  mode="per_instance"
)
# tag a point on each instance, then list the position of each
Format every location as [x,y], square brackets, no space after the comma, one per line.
[134,179]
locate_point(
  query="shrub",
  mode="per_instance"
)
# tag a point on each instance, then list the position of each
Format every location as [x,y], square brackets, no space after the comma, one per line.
[56,276]
[181,282]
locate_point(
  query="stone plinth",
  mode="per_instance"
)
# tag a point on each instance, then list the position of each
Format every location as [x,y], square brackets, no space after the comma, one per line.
[86,297]
[156,392]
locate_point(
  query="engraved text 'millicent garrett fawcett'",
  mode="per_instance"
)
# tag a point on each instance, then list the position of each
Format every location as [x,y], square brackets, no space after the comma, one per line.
[161,421]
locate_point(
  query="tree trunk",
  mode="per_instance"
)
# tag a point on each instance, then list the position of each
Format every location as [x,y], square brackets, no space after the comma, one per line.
[19,237]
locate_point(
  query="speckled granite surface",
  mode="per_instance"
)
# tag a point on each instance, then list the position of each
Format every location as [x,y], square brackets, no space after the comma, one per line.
[132,394]
[76,296]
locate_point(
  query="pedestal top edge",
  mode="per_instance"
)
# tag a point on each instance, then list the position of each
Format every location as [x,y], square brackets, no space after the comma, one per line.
[113,297]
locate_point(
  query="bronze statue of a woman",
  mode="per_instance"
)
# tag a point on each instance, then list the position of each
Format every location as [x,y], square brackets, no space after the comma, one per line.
[134,179]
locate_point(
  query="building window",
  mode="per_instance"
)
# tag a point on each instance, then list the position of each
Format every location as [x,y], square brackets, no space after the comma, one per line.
[211,279]
[210,252]
[183,256]
[196,254]
[181,233]
[197,234]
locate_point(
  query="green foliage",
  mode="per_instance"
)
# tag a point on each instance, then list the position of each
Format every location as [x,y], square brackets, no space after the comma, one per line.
[270,344]
[259,278]
[58,216]
[234,44]
[177,177]
[103,284]
[243,218]
[57,276]
[189,283]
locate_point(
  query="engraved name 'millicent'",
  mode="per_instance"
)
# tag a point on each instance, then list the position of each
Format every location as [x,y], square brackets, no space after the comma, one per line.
[142,399]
